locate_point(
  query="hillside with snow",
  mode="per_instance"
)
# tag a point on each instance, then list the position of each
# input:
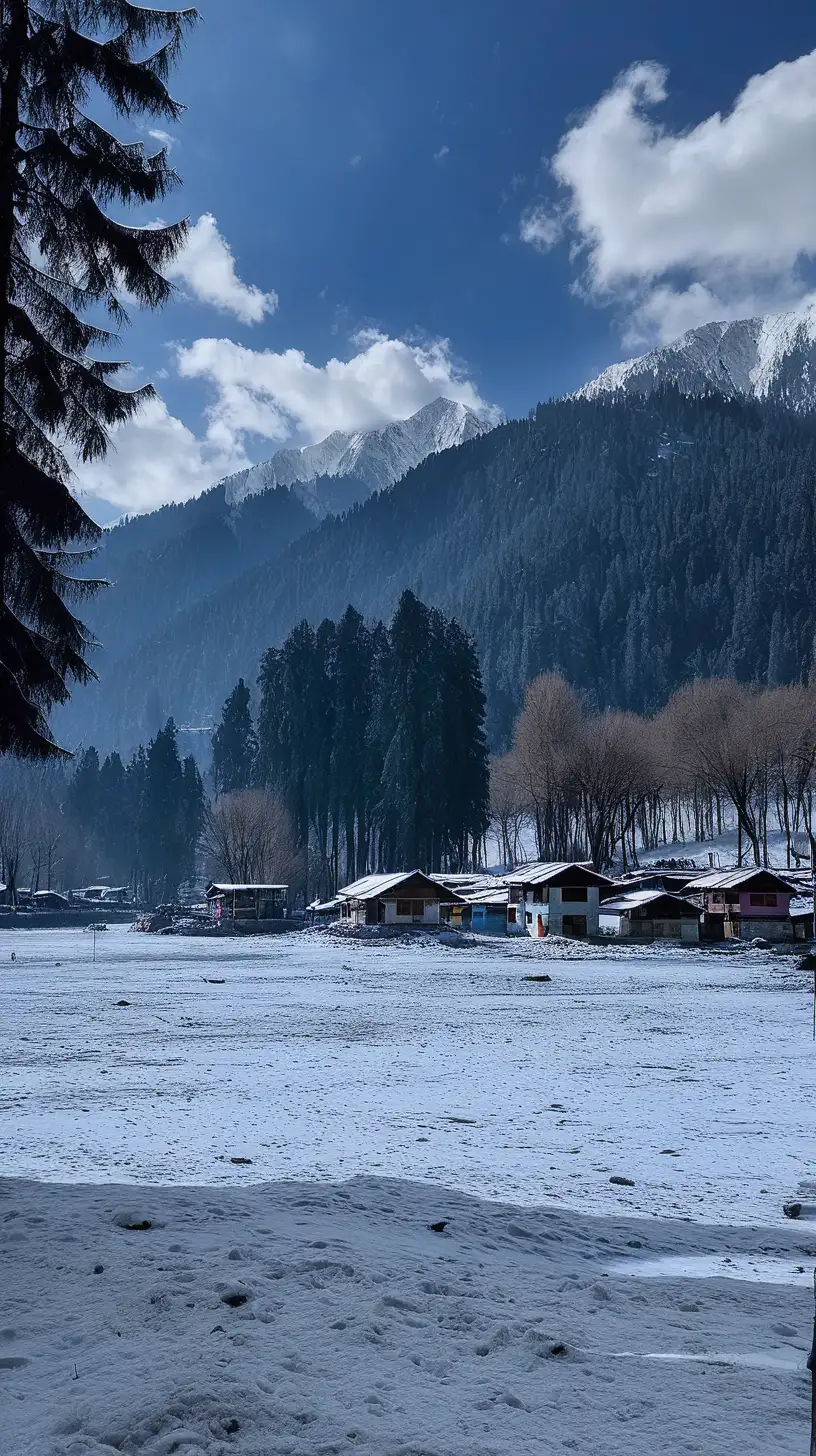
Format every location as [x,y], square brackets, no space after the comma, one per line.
[753,357]
[374,459]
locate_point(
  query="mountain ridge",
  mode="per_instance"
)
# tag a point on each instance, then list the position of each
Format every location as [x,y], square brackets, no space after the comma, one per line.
[375,458]
[752,357]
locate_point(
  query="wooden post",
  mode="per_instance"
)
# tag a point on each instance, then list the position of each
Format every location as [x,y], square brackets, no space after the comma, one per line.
[811,1365]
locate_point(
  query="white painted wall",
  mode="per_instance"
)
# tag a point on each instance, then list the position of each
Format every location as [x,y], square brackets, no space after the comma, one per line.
[552,914]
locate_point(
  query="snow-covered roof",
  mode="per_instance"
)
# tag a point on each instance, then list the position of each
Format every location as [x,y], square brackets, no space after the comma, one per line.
[634,899]
[370,887]
[499,896]
[543,871]
[733,879]
[323,906]
[474,877]
[214,889]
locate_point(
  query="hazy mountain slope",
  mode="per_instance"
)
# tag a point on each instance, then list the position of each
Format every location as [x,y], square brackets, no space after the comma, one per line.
[162,565]
[752,357]
[630,543]
[376,458]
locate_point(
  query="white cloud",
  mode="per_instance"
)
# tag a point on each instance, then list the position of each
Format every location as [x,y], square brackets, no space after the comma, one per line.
[441,154]
[207,268]
[541,228]
[689,226]
[156,458]
[279,394]
[163,138]
[355,160]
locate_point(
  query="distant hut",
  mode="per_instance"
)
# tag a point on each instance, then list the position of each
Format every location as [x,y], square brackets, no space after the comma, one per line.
[241,903]
[651,915]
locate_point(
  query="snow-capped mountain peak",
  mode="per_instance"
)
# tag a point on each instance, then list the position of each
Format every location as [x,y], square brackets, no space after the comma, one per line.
[747,357]
[374,458]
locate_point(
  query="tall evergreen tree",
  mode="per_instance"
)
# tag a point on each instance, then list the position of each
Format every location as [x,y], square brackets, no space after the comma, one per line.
[60,256]
[115,825]
[83,797]
[354,654]
[166,817]
[234,745]
[191,818]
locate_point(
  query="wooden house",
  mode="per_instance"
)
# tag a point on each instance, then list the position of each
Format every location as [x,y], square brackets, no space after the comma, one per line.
[407,898]
[231,904]
[744,904]
[651,915]
[559,898]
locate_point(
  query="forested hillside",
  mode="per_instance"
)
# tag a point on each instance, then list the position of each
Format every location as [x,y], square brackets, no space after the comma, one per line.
[629,542]
[162,564]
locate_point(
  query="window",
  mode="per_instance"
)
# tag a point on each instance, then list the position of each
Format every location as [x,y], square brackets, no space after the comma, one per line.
[717,897]
[515,894]
[574,892]
[529,917]
[767,900]
[411,909]
[511,915]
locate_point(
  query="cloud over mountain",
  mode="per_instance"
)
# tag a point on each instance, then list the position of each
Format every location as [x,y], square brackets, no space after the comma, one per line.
[683,227]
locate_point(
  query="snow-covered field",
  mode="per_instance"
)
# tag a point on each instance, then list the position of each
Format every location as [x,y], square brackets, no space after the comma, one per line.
[556,1311]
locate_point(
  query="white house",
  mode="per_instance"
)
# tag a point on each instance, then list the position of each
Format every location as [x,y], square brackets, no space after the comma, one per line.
[407,898]
[555,899]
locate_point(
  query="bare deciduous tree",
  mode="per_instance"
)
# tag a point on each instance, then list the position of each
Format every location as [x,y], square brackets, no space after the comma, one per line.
[508,809]
[547,730]
[249,838]
[613,771]
[15,817]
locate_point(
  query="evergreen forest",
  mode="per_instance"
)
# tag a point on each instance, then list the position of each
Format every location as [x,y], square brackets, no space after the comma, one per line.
[629,543]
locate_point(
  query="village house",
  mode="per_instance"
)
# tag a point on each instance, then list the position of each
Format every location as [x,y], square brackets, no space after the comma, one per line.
[555,899]
[651,915]
[488,909]
[406,898]
[744,904]
[239,904]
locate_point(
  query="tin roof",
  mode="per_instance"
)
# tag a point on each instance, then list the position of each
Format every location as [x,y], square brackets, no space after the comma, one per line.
[498,896]
[735,879]
[634,899]
[371,887]
[544,871]
[213,889]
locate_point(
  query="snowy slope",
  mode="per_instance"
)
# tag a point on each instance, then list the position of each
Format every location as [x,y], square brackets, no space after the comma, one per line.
[375,458]
[748,357]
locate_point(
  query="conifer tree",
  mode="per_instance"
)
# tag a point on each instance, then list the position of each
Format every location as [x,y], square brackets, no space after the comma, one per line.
[62,255]
[169,816]
[234,745]
[83,798]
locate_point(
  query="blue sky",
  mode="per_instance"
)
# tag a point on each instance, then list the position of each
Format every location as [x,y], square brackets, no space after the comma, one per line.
[490,200]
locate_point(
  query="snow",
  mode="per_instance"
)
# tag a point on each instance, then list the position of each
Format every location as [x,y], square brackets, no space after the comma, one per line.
[318,1318]
[301,1302]
[746,357]
[376,457]
[318,1055]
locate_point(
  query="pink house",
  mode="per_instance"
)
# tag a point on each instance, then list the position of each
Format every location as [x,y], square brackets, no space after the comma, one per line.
[745,903]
